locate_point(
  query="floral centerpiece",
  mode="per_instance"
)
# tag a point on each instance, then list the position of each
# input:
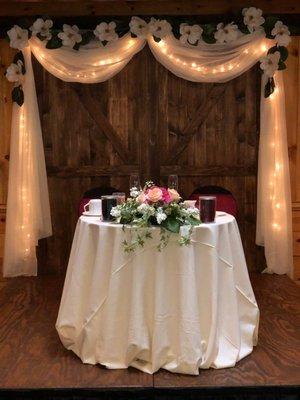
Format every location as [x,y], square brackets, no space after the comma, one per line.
[155,206]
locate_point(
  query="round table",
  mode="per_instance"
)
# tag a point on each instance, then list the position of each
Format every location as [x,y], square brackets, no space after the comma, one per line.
[181,309]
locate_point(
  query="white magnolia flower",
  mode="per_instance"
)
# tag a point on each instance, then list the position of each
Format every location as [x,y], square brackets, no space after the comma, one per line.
[160,216]
[14,73]
[159,28]
[227,33]
[253,18]
[106,32]
[281,33]
[70,35]
[18,37]
[269,64]
[42,28]
[138,27]
[190,33]
[115,212]
[134,192]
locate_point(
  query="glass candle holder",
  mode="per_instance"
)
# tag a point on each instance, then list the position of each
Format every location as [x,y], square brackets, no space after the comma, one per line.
[207,208]
[108,202]
[120,196]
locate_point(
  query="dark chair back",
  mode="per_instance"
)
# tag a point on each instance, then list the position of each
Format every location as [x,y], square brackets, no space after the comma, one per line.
[94,193]
[225,201]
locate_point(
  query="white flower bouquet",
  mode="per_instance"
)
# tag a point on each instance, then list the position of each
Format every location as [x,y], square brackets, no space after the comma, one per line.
[155,206]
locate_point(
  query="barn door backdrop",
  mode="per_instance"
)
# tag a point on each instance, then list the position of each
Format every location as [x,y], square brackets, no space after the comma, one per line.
[147,120]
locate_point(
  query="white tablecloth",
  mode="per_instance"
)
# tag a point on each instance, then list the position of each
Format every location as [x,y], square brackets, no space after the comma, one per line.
[181,309]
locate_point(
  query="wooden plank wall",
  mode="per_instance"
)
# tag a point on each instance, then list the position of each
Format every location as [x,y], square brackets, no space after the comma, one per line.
[292,97]
[149,110]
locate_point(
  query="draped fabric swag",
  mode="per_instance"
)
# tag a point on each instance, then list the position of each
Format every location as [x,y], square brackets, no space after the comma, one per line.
[28,212]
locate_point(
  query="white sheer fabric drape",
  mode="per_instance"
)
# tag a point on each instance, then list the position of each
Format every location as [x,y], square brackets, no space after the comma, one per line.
[28,212]
[90,64]
[94,63]
[274,227]
[221,63]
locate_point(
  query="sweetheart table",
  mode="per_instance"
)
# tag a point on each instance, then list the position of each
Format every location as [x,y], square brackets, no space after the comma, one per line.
[181,309]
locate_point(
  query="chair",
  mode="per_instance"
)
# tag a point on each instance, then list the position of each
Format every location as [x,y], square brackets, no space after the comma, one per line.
[94,193]
[225,201]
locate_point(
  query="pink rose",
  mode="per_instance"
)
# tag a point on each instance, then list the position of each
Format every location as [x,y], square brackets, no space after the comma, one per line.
[154,194]
[141,198]
[166,196]
[174,195]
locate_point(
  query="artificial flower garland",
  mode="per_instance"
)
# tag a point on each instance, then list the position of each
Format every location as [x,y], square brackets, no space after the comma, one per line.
[187,32]
[155,206]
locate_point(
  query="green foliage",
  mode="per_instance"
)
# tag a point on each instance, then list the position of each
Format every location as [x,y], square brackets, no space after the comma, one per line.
[172,224]
[20,57]
[54,43]
[269,88]
[17,95]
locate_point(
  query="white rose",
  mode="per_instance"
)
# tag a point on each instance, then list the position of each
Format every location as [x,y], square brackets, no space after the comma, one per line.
[253,18]
[269,64]
[106,32]
[18,37]
[42,28]
[227,33]
[115,212]
[281,33]
[138,27]
[70,35]
[159,28]
[190,33]
[14,73]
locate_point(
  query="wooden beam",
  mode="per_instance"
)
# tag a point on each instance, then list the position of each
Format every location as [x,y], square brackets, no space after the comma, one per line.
[102,123]
[197,120]
[219,170]
[142,7]
[91,170]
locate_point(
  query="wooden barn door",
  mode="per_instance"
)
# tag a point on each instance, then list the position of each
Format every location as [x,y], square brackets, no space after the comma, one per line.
[149,121]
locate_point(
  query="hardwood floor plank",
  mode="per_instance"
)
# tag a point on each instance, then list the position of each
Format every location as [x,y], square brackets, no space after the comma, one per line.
[31,355]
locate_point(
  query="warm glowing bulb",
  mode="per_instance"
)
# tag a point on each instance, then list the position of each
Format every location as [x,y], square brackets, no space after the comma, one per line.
[277,205]
[194,65]
[276,226]
[263,47]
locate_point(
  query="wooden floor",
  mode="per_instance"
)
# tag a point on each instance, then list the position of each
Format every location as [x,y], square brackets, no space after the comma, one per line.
[31,355]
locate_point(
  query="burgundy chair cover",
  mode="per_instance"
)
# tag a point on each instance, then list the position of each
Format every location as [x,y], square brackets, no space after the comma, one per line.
[224,199]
